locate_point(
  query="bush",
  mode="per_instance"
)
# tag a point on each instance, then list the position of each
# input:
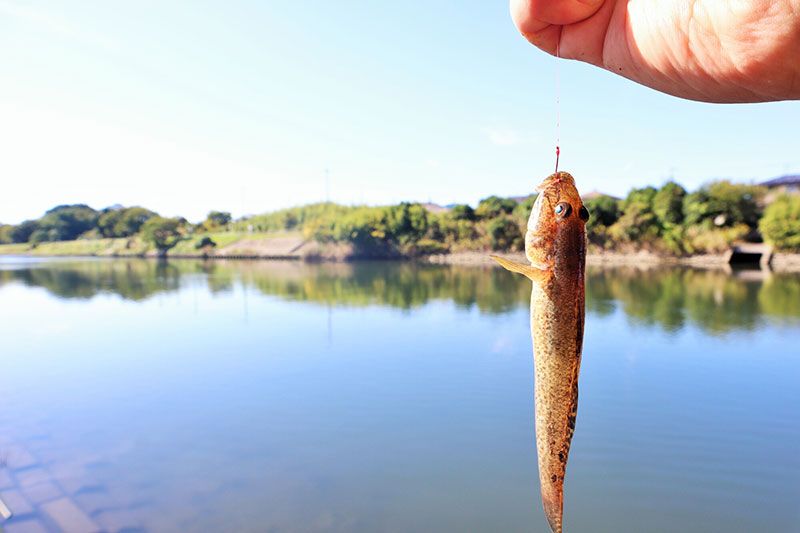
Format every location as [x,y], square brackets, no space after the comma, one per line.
[603,210]
[703,239]
[523,210]
[504,234]
[205,242]
[668,203]
[723,203]
[780,224]
[462,212]
[638,223]
[494,206]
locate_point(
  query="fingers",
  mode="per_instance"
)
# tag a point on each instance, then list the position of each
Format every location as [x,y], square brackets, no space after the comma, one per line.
[540,21]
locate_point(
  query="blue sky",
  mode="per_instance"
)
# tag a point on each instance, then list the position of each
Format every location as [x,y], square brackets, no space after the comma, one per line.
[184,107]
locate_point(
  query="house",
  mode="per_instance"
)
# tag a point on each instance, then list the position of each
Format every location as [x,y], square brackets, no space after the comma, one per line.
[784,184]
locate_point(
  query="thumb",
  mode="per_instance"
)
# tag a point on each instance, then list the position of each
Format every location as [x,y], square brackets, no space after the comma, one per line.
[539,20]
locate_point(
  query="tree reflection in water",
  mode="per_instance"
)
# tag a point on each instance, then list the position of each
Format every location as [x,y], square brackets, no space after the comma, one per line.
[668,298]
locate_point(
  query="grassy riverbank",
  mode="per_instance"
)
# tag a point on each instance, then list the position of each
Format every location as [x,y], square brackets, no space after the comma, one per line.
[226,243]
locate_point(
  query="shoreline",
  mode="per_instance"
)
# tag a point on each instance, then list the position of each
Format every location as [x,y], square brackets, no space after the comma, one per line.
[779,262]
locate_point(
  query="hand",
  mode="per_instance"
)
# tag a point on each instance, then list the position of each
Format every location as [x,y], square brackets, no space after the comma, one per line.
[708,50]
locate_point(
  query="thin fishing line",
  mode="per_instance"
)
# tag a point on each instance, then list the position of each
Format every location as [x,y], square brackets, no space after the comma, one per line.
[558,98]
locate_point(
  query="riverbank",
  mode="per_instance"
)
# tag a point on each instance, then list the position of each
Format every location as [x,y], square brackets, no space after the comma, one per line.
[292,246]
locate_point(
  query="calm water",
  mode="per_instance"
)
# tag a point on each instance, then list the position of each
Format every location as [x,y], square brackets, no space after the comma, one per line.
[249,396]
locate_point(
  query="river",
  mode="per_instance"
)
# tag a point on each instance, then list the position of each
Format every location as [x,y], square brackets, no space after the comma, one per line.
[265,396]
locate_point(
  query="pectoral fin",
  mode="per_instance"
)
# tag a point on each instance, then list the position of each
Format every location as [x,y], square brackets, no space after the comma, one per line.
[534,273]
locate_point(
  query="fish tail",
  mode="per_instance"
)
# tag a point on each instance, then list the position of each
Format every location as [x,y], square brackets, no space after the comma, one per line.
[553,509]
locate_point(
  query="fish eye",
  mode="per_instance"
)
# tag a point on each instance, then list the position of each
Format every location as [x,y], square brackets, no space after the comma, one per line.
[583,213]
[563,209]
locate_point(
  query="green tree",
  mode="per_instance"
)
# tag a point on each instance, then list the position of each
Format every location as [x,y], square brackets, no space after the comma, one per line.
[638,222]
[603,210]
[216,220]
[163,233]
[780,224]
[406,223]
[494,206]
[462,212]
[123,222]
[523,209]
[65,223]
[504,234]
[668,203]
[723,203]
[22,232]
[5,233]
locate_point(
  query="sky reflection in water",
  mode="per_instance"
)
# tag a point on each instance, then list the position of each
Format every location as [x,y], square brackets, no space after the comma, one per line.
[394,397]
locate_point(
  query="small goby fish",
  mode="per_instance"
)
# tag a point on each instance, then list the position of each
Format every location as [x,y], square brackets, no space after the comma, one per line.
[555,245]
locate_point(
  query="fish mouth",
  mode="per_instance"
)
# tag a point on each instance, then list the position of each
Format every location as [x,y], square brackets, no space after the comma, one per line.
[559,180]
[559,186]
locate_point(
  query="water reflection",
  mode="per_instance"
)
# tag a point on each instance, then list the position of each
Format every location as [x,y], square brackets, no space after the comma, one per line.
[667,298]
[135,392]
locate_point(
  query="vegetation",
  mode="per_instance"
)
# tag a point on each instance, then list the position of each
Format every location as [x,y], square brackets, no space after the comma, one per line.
[781,223]
[667,220]
[123,221]
[163,233]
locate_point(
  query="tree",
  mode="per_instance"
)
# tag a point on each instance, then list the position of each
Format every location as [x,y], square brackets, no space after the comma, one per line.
[65,223]
[780,224]
[668,203]
[723,203]
[603,210]
[163,233]
[221,219]
[523,209]
[123,222]
[5,233]
[504,234]
[494,206]
[638,222]
[22,232]
[406,223]
[462,212]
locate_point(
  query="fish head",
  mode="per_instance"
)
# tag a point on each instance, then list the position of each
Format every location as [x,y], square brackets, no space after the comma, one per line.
[557,225]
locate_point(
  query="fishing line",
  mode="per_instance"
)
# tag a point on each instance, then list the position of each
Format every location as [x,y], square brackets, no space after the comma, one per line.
[558,97]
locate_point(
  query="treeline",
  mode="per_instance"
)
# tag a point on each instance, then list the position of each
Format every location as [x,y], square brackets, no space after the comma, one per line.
[79,221]
[667,220]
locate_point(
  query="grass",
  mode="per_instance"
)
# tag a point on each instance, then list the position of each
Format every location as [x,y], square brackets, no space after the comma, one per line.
[189,246]
[78,247]
[134,246]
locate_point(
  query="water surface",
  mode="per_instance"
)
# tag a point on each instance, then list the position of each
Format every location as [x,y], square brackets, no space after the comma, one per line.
[256,396]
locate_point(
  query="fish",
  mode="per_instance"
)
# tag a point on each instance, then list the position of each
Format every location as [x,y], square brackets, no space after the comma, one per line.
[555,246]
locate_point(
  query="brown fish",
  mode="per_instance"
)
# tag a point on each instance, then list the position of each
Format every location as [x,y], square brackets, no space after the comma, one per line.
[555,245]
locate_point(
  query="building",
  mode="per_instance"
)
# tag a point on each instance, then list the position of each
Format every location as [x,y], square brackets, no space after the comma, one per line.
[784,184]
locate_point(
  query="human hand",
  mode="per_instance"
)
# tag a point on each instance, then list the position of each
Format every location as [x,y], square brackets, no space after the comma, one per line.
[708,50]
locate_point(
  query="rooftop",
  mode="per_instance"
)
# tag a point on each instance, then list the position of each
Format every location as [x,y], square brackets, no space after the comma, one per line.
[790,179]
